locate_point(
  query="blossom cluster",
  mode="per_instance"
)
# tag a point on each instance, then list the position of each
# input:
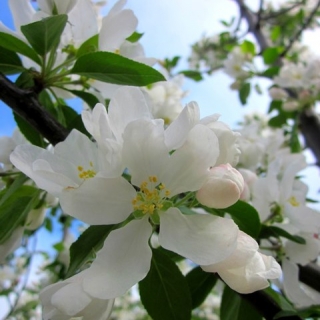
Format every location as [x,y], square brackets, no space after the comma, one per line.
[161,165]
[272,186]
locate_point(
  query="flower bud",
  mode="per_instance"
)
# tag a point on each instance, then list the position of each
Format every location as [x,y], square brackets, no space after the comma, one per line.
[222,188]
[249,178]
[290,106]
[277,93]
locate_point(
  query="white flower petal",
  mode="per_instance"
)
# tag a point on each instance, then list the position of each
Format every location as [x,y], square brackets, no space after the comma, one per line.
[177,132]
[245,250]
[127,104]
[144,151]
[61,299]
[292,286]
[99,200]
[123,261]
[189,165]
[116,28]
[22,12]
[202,238]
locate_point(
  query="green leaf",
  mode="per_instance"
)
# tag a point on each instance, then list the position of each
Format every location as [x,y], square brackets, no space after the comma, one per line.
[278,121]
[295,145]
[275,105]
[85,248]
[87,97]
[14,210]
[192,74]
[14,44]
[73,120]
[233,307]
[45,35]
[284,314]
[17,183]
[244,92]
[10,62]
[246,217]
[113,68]
[29,132]
[164,291]
[271,72]
[135,37]
[90,45]
[272,231]
[270,55]
[275,33]
[25,80]
[281,301]
[200,284]
[248,47]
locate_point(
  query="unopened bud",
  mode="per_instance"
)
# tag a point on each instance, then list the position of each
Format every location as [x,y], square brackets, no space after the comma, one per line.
[290,106]
[277,93]
[223,187]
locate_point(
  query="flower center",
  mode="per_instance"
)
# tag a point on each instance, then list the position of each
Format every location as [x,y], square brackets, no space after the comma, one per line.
[151,196]
[293,201]
[86,174]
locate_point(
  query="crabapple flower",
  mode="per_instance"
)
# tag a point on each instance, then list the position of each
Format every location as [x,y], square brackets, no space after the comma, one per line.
[246,270]
[189,117]
[67,299]
[223,187]
[75,171]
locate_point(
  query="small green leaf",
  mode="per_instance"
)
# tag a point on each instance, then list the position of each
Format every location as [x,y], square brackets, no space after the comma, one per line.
[85,248]
[135,37]
[17,183]
[29,132]
[275,105]
[284,314]
[90,45]
[192,74]
[14,210]
[10,62]
[295,145]
[87,97]
[113,68]
[200,284]
[271,72]
[278,121]
[164,291]
[270,55]
[14,44]
[281,301]
[275,33]
[25,80]
[233,307]
[244,92]
[269,231]
[45,34]
[248,47]
[246,217]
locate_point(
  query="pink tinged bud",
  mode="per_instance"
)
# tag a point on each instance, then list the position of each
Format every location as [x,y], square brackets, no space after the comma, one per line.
[290,106]
[222,188]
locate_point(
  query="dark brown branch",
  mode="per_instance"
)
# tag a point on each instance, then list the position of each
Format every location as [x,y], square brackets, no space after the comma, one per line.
[303,27]
[25,103]
[265,305]
[253,24]
[309,275]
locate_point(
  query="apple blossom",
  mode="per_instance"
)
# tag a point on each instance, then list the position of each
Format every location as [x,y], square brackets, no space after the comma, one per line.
[67,299]
[223,187]
[246,270]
